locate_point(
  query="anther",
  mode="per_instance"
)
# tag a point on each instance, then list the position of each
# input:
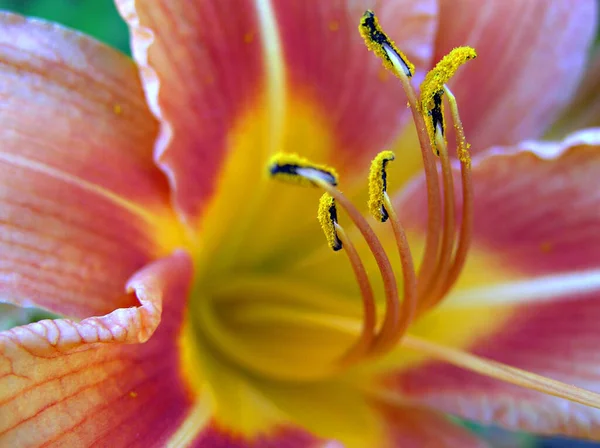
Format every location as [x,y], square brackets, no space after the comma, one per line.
[298,170]
[313,177]
[327,217]
[380,206]
[380,44]
[432,90]
[427,145]
[378,185]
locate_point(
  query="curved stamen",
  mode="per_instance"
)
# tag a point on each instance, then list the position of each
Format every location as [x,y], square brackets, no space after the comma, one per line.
[392,313]
[433,88]
[448,234]
[409,301]
[365,341]
[503,372]
[466,226]
[337,238]
[382,209]
[434,203]
[312,174]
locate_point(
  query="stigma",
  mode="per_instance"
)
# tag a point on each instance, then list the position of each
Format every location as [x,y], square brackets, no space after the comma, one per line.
[446,243]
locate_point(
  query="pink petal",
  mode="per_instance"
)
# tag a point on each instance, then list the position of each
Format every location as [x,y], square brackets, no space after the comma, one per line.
[531,57]
[536,209]
[92,382]
[584,111]
[328,66]
[558,340]
[218,436]
[536,217]
[413,427]
[235,80]
[80,198]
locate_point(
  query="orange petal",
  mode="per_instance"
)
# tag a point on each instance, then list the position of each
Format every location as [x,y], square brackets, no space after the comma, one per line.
[531,58]
[558,340]
[73,384]
[273,75]
[535,217]
[328,66]
[80,199]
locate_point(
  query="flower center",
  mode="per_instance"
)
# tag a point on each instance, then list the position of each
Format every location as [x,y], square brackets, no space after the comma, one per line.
[343,340]
[247,324]
[446,249]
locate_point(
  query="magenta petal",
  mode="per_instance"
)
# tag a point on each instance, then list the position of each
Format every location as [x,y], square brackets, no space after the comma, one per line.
[531,58]
[558,340]
[80,198]
[93,382]
[536,210]
[267,76]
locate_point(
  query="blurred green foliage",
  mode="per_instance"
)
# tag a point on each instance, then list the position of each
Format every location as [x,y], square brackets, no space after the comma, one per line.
[98,18]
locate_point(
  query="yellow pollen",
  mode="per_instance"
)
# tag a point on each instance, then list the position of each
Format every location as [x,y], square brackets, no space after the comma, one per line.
[380,44]
[432,90]
[117,109]
[297,170]
[378,185]
[327,217]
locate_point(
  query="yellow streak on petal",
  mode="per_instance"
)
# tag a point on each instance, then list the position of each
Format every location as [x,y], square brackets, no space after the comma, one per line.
[504,372]
[163,226]
[275,69]
[190,365]
[79,182]
[248,208]
[192,426]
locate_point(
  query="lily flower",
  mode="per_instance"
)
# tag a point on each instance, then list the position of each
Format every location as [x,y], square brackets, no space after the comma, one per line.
[460,269]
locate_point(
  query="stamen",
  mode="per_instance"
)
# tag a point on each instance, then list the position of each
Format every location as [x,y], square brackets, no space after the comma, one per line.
[381,208]
[380,44]
[327,217]
[298,170]
[385,267]
[378,185]
[392,313]
[373,41]
[365,341]
[432,88]
[466,227]
[409,301]
[503,372]
[431,291]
